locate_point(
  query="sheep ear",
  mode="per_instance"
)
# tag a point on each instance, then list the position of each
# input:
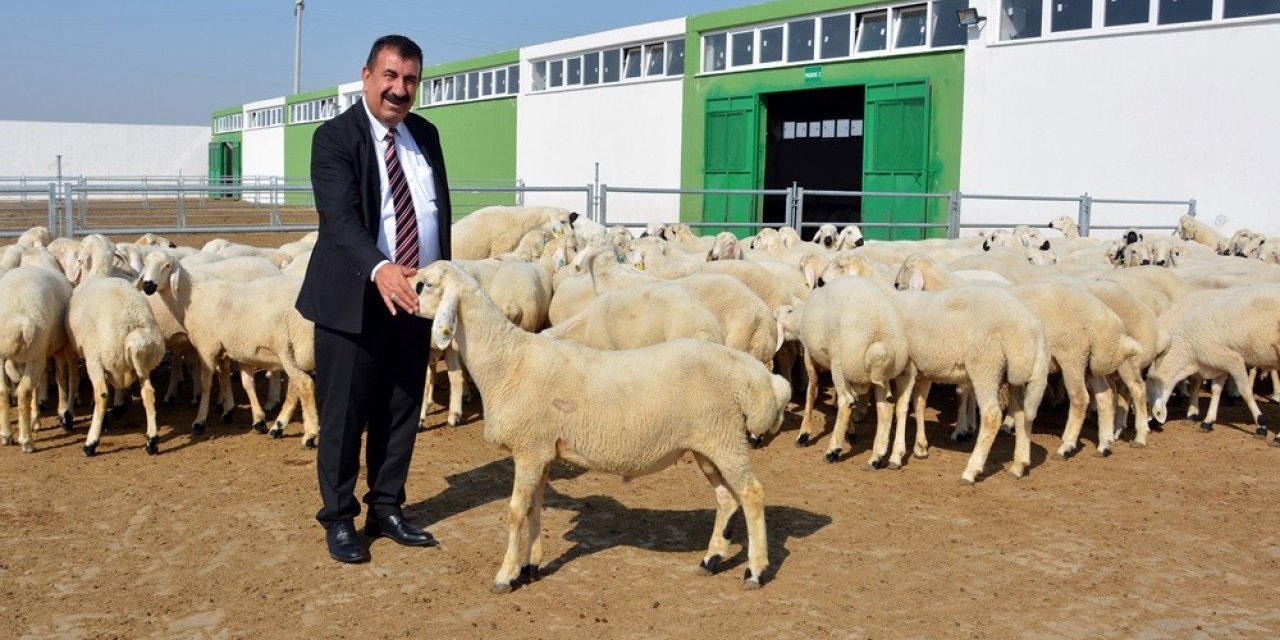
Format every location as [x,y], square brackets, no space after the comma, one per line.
[1173,257]
[737,251]
[916,282]
[781,333]
[173,280]
[135,261]
[809,276]
[445,324]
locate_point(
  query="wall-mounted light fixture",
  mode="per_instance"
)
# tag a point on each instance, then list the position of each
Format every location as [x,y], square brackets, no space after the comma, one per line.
[969,17]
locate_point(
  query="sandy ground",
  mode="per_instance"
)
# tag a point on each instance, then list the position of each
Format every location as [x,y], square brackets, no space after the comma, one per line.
[214,538]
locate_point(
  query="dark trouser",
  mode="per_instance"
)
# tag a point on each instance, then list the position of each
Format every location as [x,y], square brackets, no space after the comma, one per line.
[373,378]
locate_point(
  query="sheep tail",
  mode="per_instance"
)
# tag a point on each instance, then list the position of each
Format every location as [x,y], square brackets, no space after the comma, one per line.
[1033,389]
[877,361]
[144,349]
[19,333]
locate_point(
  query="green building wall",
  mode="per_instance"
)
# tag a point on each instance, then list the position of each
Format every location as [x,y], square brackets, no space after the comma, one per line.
[297,145]
[944,71]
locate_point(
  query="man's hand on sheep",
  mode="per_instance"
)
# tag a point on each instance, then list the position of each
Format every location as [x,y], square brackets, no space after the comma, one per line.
[394,288]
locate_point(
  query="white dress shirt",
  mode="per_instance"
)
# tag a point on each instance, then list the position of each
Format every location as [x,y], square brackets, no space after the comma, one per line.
[422,188]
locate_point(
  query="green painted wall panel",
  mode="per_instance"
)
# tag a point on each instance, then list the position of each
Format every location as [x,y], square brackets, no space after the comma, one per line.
[479,141]
[510,56]
[297,159]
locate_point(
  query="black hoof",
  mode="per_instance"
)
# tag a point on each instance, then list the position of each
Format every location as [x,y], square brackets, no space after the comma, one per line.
[710,566]
[153,445]
[1261,432]
[119,410]
[65,421]
[1276,442]
[529,573]
[277,432]
[309,443]
[90,450]
[757,442]
[260,426]
[803,440]
[1206,427]
[226,417]
[963,437]
[1154,425]
[197,429]
[1105,453]
[832,456]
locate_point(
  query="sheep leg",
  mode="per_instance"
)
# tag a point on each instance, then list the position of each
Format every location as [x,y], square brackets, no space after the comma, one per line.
[1275,386]
[528,471]
[6,430]
[1244,382]
[1078,395]
[1104,397]
[1215,395]
[844,408]
[149,406]
[425,408]
[26,398]
[1021,433]
[922,439]
[255,407]
[98,379]
[457,386]
[175,376]
[1136,390]
[533,541]
[718,547]
[1194,385]
[966,414]
[751,494]
[988,398]
[807,431]
[67,376]
[884,418]
[905,387]
[207,366]
[273,391]
[306,394]
[227,401]
[287,407]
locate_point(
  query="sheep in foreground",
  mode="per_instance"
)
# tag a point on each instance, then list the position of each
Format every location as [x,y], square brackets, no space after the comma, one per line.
[1221,340]
[492,231]
[683,396]
[111,326]
[851,328]
[1193,230]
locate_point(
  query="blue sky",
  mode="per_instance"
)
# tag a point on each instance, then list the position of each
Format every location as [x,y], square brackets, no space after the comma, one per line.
[173,62]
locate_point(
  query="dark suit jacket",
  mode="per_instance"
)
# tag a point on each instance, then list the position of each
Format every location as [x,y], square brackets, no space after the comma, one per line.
[344,178]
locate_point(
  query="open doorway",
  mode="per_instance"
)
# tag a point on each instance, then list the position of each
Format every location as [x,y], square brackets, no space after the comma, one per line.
[814,138]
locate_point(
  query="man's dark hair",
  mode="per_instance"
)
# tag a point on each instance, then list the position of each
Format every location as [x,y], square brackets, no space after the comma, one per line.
[403,47]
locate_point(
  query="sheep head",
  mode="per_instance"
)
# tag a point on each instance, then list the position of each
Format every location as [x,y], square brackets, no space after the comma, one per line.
[439,287]
[812,264]
[159,269]
[726,247]
[845,264]
[789,237]
[826,236]
[911,276]
[850,238]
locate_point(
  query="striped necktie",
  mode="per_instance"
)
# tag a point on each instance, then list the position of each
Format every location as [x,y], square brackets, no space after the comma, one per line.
[406,218]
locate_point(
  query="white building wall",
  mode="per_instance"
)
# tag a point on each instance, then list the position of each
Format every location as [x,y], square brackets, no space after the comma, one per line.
[631,128]
[261,150]
[102,150]
[1170,115]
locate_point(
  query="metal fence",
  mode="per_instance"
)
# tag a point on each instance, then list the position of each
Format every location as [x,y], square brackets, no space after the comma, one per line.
[178,204]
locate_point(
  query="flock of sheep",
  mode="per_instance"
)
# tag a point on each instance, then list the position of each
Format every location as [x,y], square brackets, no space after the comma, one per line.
[701,338]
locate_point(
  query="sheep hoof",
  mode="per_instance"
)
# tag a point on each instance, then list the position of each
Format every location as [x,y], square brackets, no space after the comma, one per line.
[832,456]
[153,445]
[894,466]
[27,447]
[967,482]
[276,432]
[1261,432]
[226,417]
[6,440]
[750,582]
[260,426]
[803,440]
[501,587]
[1138,445]
[963,436]
[1206,427]
[1104,453]
[197,429]
[757,442]
[1154,425]
[1018,470]
[454,419]
[309,441]
[529,573]
[1060,455]
[1276,442]
[90,450]
[709,566]
[919,453]
[65,421]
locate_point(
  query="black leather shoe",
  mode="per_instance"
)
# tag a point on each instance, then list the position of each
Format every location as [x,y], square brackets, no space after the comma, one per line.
[344,543]
[399,530]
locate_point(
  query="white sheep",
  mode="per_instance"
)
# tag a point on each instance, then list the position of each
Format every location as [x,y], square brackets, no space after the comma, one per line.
[827,236]
[1067,225]
[495,230]
[1194,230]
[35,237]
[33,309]
[708,400]
[111,326]
[852,329]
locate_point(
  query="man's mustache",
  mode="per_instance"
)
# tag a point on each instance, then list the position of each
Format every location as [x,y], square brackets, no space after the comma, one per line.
[395,99]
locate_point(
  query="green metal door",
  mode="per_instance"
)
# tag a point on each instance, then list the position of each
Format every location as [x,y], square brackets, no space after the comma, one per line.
[896,156]
[732,133]
[232,166]
[215,168]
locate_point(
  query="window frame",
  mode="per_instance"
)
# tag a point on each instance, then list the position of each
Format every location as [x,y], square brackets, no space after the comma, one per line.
[611,64]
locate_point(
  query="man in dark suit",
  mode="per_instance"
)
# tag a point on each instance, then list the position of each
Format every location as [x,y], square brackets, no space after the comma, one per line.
[378,174]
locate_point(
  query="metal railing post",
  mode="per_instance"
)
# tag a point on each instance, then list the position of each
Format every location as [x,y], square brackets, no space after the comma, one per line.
[53,209]
[799,217]
[1191,208]
[275,205]
[182,209]
[953,214]
[604,205]
[591,202]
[1084,217]
[68,193]
[790,216]
[84,203]
[520,192]
[146,200]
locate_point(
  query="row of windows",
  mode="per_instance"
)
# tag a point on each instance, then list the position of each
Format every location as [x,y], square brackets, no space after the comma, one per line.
[228,123]
[313,110]
[268,117]
[473,85]
[1021,19]
[905,27]
[610,65]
